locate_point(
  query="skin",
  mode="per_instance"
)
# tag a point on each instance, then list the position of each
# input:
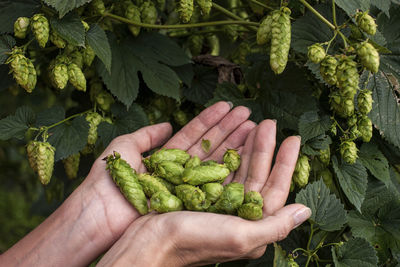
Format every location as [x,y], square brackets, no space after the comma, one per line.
[96,217]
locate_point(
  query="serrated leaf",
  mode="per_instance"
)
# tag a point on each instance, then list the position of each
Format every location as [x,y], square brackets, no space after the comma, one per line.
[373,159]
[6,79]
[353,181]
[313,146]
[377,195]
[10,10]
[97,39]
[203,85]
[350,7]
[70,28]
[7,42]
[63,7]
[50,116]
[17,124]
[327,212]
[312,125]
[356,252]
[125,122]
[206,145]
[69,137]
[280,259]
[185,73]
[383,5]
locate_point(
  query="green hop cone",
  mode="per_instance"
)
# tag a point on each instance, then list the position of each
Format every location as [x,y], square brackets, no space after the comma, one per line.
[180,117]
[316,53]
[97,7]
[88,56]
[185,10]
[264,31]
[168,185]
[213,44]
[205,174]
[40,28]
[132,12]
[354,132]
[21,26]
[59,75]
[71,165]
[254,197]
[147,164]
[328,69]
[369,56]
[232,159]
[325,156]
[352,120]
[76,77]
[241,53]
[176,155]
[209,163]
[301,171]
[104,100]
[57,40]
[45,161]
[94,120]
[205,6]
[76,57]
[148,12]
[342,106]
[126,179]
[348,151]
[364,101]
[280,39]
[347,76]
[366,23]
[364,125]
[151,184]
[213,191]
[23,70]
[231,198]
[193,162]
[170,171]
[327,177]
[195,44]
[165,202]
[192,197]
[31,151]
[250,211]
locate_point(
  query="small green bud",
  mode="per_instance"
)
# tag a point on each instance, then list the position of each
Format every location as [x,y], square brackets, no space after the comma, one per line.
[364,101]
[301,171]
[365,127]
[254,197]
[162,202]
[193,162]
[232,159]
[316,53]
[366,23]
[213,191]
[369,56]
[170,171]
[192,197]
[348,151]
[21,27]
[205,174]
[231,198]
[250,211]
[177,155]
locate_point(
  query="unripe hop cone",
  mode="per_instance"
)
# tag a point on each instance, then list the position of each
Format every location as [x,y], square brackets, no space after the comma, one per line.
[369,57]
[76,77]
[32,154]
[94,120]
[231,198]
[366,23]
[71,165]
[45,161]
[185,10]
[193,162]
[148,12]
[301,171]
[192,197]
[316,53]
[364,126]
[176,155]
[347,77]
[280,39]
[328,69]
[264,31]
[254,197]
[21,27]
[250,211]
[205,174]
[163,202]
[57,40]
[40,28]
[348,151]
[23,70]
[232,159]
[60,75]
[205,6]
[364,102]
[126,179]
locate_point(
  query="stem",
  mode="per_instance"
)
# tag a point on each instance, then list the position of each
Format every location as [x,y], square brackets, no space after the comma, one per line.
[329,244]
[311,235]
[182,34]
[343,38]
[316,13]
[330,42]
[66,119]
[308,260]
[231,15]
[261,4]
[179,26]
[301,249]
[334,13]
[27,44]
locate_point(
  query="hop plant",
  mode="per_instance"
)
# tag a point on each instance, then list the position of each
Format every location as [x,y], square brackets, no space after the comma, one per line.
[316,53]
[148,12]
[76,77]
[264,31]
[21,26]
[369,56]
[301,171]
[185,10]
[88,55]
[195,44]
[59,75]
[366,23]
[163,202]
[364,125]
[205,6]
[328,69]
[347,76]
[71,165]
[23,70]
[232,159]
[250,211]
[280,39]
[94,120]
[132,12]
[57,40]
[40,28]
[348,151]
[364,101]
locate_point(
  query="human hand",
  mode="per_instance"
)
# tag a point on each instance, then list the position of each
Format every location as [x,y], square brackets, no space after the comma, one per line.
[193,238]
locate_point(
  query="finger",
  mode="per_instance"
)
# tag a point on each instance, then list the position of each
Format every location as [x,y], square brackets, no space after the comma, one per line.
[261,157]
[241,174]
[196,128]
[234,140]
[276,190]
[221,131]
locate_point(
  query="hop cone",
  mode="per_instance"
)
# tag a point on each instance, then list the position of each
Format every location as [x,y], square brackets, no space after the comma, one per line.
[40,28]
[192,197]
[213,191]
[316,53]
[213,43]
[126,179]
[94,120]
[176,155]
[328,69]
[205,174]
[45,161]
[88,55]
[241,54]
[76,77]
[170,171]
[280,39]
[343,106]
[21,26]
[165,202]
[97,7]
[148,12]
[193,162]
[205,6]
[254,197]
[351,121]
[364,126]
[364,101]
[348,151]
[195,44]
[325,156]
[180,117]
[31,151]
[185,10]
[366,23]
[71,165]
[76,57]
[231,198]
[264,31]
[369,57]
[132,12]
[347,77]
[104,100]
[23,70]
[232,159]
[250,211]
[301,171]
[151,184]
[60,75]
[57,40]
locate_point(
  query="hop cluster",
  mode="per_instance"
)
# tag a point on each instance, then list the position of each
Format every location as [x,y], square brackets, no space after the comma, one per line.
[316,53]
[301,171]
[280,39]
[41,159]
[23,70]
[40,28]
[366,23]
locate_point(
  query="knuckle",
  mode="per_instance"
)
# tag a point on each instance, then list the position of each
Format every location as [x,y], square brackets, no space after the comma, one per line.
[282,232]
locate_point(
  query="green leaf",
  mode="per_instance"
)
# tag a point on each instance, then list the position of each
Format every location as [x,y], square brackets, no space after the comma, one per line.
[97,39]
[16,125]
[6,79]
[377,195]
[327,212]
[373,159]
[352,180]
[70,28]
[10,10]
[63,7]
[126,121]
[350,7]
[383,5]
[185,73]
[312,125]
[354,253]
[313,146]
[203,85]
[50,116]
[6,44]
[280,259]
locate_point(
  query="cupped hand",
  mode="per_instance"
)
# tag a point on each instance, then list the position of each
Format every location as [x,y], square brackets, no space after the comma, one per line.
[195,238]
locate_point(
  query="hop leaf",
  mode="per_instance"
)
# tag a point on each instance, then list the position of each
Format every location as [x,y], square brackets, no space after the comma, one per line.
[328,69]
[45,161]
[21,27]
[163,202]
[316,53]
[232,159]
[40,28]
[369,56]
[348,151]
[250,211]
[76,77]
[280,39]
[301,171]
[366,23]
[185,10]
[264,31]
[364,101]
[364,125]
[71,165]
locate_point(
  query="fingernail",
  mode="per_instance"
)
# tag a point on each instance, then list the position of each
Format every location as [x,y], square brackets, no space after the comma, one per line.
[301,216]
[299,136]
[275,121]
[230,104]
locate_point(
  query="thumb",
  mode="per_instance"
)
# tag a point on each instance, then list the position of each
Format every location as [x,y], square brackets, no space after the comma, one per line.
[277,226]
